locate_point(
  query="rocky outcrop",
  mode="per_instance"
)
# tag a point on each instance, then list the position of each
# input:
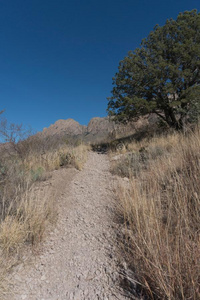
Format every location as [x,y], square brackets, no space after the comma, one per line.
[98,129]
[65,127]
[97,125]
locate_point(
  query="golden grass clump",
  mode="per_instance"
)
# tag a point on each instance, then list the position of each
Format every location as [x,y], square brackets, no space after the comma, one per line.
[12,234]
[161,209]
[26,208]
[56,158]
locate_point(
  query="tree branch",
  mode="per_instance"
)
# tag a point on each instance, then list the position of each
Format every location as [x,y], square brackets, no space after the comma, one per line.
[161,116]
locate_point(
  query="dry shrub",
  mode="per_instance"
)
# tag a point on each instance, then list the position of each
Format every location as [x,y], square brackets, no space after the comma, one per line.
[139,155]
[80,155]
[25,210]
[162,212]
[36,210]
[12,234]
[54,159]
[128,165]
[26,223]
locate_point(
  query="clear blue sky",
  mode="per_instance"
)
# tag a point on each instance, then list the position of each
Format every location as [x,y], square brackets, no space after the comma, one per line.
[57,58]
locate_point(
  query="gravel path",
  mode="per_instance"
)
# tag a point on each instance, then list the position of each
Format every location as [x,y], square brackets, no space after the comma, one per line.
[78,260]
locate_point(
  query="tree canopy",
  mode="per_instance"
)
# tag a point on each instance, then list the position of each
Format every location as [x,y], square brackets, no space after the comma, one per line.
[162,76]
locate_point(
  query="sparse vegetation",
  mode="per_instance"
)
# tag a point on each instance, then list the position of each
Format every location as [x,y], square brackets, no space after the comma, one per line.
[26,210]
[161,211]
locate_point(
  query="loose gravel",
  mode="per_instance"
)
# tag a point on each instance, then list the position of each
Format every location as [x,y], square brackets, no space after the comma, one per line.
[78,260]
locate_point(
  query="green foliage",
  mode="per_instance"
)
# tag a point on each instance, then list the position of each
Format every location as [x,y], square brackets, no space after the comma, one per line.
[162,76]
[129,165]
[67,142]
[2,170]
[78,143]
[37,174]
[194,108]
[66,159]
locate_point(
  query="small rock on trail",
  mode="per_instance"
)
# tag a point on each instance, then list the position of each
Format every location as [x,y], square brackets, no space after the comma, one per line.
[78,260]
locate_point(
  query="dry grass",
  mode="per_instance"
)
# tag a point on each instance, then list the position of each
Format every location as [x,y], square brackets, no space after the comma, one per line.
[26,210]
[162,214]
[56,158]
[134,157]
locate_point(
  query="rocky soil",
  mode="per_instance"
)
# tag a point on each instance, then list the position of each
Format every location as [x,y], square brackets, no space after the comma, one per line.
[78,261]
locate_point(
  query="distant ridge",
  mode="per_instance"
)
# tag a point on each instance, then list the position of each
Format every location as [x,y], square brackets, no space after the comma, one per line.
[69,126]
[98,129]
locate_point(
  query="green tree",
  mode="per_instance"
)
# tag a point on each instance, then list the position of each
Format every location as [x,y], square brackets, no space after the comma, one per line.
[162,76]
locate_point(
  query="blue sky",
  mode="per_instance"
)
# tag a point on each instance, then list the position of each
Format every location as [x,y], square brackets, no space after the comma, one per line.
[57,58]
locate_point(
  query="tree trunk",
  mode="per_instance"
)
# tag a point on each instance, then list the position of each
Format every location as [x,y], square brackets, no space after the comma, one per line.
[172,120]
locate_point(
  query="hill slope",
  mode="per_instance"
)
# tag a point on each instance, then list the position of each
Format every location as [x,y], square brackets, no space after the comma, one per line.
[97,130]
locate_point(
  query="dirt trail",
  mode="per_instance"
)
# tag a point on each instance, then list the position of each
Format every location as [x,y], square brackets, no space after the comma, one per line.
[78,261]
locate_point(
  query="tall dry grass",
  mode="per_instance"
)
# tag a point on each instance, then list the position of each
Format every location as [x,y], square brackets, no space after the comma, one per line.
[26,211]
[62,156]
[161,209]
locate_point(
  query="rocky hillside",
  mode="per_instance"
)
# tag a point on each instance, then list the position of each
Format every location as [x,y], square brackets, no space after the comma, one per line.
[65,127]
[98,129]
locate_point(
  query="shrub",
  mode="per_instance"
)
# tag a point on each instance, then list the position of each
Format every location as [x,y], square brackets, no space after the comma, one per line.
[37,174]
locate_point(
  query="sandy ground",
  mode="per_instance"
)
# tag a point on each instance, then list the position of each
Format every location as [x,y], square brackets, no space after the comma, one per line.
[78,260]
